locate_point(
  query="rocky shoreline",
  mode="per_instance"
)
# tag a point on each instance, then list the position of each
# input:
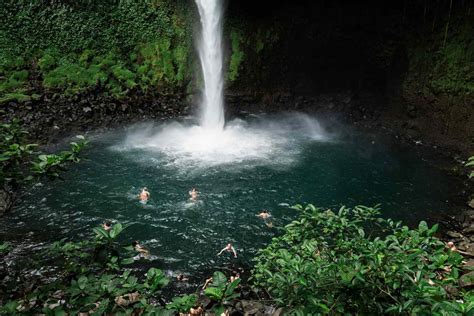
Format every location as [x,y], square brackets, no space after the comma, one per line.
[55,116]
[462,238]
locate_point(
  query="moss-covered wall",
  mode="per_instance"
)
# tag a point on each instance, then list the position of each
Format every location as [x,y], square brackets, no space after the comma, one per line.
[69,46]
[315,46]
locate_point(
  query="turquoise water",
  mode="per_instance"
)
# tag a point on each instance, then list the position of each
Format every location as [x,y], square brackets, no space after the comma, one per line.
[300,165]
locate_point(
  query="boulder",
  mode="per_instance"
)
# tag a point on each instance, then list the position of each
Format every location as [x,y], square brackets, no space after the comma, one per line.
[6,201]
[454,234]
[467,280]
[469,265]
[471,203]
[469,229]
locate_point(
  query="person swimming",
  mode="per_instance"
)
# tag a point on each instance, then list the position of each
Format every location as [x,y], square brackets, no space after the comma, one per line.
[107,225]
[234,277]
[264,214]
[182,278]
[193,194]
[141,250]
[144,195]
[228,248]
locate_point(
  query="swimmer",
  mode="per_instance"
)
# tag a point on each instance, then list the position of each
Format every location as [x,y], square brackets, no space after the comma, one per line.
[195,311]
[228,248]
[144,195]
[193,194]
[107,225]
[264,214]
[182,278]
[141,250]
[234,277]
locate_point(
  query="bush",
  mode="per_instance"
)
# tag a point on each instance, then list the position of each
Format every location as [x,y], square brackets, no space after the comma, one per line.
[92,277]
[332,263]
[20,162]
[74,46]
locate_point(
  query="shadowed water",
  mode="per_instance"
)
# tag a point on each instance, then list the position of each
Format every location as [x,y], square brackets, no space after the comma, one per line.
[262,163]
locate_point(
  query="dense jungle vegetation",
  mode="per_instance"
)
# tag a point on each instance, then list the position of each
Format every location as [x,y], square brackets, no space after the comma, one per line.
[325,262]
[344,261]
[114,47]
[120,47]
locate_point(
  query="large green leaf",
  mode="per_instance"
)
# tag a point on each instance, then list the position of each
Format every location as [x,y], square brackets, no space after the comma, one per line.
[218,279]
[214,293]
[116,230]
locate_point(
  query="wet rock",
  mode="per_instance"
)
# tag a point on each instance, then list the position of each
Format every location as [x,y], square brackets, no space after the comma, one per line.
[469,230]
[467,280]
[252,307]
[86,109]
[6,200]
[469,265]
[471,203]
[453,234]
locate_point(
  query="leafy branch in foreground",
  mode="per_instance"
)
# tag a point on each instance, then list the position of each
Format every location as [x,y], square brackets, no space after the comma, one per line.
[92,280]
[20,162]
[91,277]
[327,263]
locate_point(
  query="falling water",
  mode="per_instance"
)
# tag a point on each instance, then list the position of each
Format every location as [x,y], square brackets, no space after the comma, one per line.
[210,54]
[249,142]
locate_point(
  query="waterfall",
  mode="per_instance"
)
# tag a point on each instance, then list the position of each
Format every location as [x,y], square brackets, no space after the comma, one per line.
[210,55]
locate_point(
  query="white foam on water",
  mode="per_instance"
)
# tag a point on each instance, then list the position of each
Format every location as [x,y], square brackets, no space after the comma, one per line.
[264,142]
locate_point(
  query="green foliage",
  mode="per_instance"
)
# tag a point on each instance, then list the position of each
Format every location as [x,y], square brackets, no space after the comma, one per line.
[92,280]
[328,262]
[221,291]
[183,303]
[50,164]
[20,162]
[76,46]
[12,86]
[237,56]
[449,68]
[4,246]
[470,164]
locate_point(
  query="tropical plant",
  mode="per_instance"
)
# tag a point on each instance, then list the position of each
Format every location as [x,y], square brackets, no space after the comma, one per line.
[92,280]
[352,261]
[222,291]
[4,246]
[182,304]
[20,162]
